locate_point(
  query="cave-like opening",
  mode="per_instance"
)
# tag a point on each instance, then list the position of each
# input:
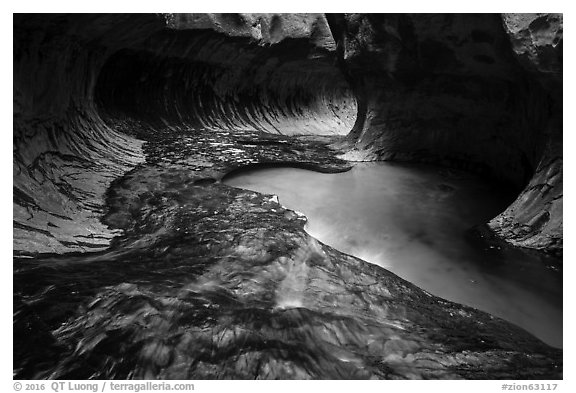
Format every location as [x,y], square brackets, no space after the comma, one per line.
[133,260]
[207,81]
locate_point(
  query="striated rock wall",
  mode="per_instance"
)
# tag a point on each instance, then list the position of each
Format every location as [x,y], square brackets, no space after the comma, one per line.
[82,81]
[474,91]
[535,219]
[64,154]
[480,92]
[133,118]
[209,281]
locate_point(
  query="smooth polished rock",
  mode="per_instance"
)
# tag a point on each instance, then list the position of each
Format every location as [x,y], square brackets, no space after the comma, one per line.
[123,126]
[209,281]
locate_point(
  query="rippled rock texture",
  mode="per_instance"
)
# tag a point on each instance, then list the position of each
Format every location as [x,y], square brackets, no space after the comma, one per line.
[210,281]
[77,77]
[133,261]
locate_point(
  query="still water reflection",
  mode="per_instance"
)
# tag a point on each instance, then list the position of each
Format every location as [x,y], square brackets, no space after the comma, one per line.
[415,222]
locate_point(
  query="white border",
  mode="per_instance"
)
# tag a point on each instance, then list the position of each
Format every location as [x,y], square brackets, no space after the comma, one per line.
[566,7]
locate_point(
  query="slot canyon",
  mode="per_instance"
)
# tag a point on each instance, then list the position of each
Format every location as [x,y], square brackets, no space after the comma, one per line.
[287,196]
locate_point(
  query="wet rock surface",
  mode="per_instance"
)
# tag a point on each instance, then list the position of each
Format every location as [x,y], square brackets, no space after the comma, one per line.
[481,92]
[535,219]
[74,75]
[132,260]
[209,281]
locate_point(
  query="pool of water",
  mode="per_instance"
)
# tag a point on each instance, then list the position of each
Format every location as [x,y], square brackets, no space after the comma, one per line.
[415,221]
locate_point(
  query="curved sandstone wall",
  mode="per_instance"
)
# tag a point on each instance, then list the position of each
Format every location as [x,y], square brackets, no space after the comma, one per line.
[130,120]
[84,83]
[475,91]
[480,92]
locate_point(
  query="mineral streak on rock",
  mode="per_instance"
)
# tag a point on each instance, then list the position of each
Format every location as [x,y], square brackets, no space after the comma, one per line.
[141,264]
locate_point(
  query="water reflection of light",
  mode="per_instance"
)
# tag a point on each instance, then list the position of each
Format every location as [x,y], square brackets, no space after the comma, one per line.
[373,257]
[326,234]
[410,222]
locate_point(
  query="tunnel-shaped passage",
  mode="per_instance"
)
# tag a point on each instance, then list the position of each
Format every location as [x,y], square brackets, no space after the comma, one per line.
[211,83]
[86,86]
[128,267]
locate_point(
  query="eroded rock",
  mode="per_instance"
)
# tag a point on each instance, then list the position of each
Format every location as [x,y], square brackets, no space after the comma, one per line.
[125,123]
[478,92]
